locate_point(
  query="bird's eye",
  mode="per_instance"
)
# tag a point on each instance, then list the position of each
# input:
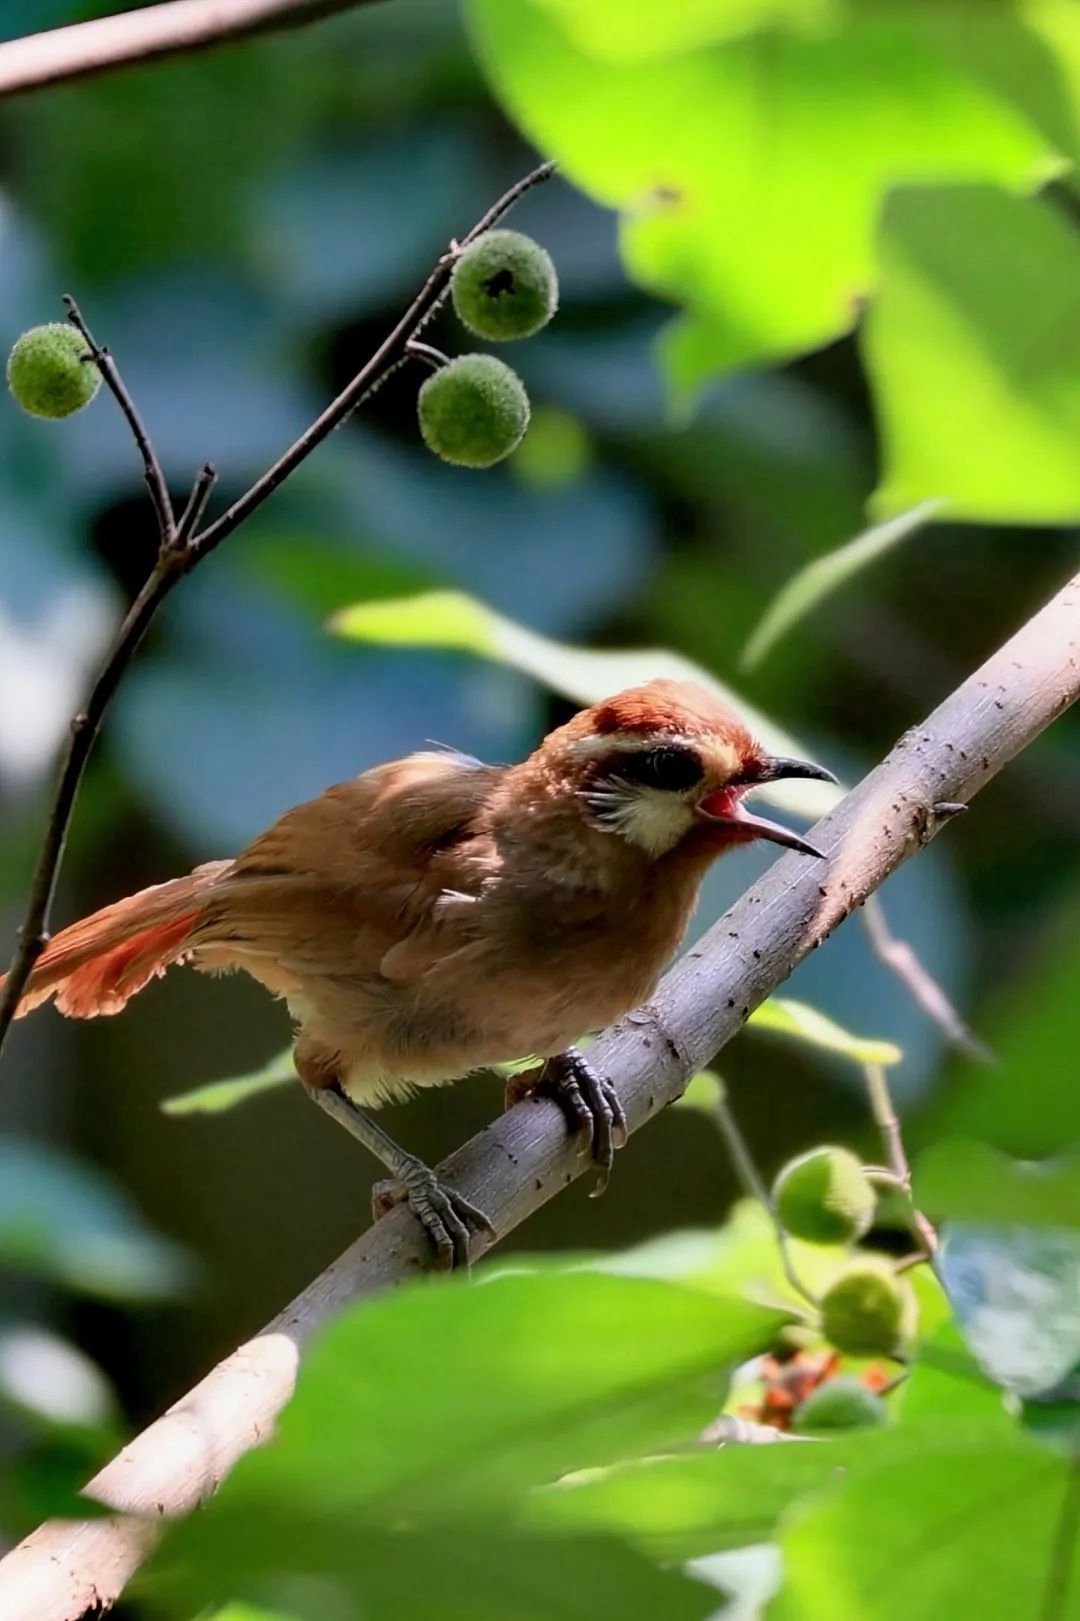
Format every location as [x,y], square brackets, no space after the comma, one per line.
[673,768]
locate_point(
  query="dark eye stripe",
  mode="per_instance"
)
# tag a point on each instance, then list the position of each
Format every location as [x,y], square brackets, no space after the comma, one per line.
[673,768]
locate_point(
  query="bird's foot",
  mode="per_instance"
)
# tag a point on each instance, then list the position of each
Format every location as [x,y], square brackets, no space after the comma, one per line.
[447,1217]
[588,1100]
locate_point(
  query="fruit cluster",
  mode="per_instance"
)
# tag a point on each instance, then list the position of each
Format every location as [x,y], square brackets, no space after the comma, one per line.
[474,410]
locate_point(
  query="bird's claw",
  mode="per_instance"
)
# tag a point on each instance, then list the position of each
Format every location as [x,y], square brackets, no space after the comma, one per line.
[591,1105]
[447,1217]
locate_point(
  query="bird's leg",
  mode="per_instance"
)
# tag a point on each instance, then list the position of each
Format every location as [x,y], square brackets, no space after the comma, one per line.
[446,1216]
[589,1101]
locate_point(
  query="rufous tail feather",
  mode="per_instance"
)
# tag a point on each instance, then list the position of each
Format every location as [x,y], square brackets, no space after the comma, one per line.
[94,966]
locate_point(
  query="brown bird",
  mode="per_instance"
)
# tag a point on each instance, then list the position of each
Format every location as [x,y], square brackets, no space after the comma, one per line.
[437,915]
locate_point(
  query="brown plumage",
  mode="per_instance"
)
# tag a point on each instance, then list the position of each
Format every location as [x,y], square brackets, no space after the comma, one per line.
[437,915]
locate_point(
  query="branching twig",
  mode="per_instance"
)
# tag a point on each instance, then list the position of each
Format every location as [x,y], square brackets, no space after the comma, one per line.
[755,1185]
[899,957]
[888,1123]
[525,1158]
[136,36]
[180,548]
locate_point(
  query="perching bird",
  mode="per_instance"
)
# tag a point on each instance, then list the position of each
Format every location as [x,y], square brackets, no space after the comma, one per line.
[437,915]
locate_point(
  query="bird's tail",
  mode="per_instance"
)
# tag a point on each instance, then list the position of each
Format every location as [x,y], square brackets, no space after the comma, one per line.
[95,965]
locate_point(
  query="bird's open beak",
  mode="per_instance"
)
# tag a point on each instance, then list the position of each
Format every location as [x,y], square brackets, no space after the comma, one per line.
[723,806]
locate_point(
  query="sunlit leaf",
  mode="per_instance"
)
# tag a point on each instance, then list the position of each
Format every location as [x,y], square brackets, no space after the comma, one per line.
[977,375]
[749,173]
[613,30]
[970,1528]
[703,1092]
[978,1182]
[449,619]
[217,1096]
[820,578]
[785,1017]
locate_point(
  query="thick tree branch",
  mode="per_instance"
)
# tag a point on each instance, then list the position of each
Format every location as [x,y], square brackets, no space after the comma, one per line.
[525,1158]
[133,37]
[179,550]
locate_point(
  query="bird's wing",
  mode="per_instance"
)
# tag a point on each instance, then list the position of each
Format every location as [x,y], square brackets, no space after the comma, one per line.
[338,883]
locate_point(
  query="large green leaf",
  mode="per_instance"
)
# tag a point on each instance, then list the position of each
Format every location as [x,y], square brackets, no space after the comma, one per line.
[450,619]
[973,347]
[449,1397]
[969,1529]
[750,172]
[963,1178]
[683,1507]
[613,30]
[321,1566]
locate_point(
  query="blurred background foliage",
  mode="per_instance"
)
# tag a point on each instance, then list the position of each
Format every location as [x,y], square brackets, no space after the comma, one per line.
[841,281]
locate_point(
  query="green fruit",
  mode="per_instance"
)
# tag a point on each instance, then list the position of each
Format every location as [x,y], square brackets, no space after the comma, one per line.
[504,286]
[867,1310]
[473,411]
[825,1197]
[841,1404]
[50,372]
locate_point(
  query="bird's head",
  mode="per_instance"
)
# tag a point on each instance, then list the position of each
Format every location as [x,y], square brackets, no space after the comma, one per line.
[664,761]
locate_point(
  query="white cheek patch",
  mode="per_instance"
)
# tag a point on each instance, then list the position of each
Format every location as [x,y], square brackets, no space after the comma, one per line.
[651,818]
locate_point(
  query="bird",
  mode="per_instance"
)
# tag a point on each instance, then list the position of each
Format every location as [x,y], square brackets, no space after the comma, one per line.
[436,915]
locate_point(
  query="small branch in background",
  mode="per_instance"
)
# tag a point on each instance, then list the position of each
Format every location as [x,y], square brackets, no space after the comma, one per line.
[901,960]
[135,36]
[888,1123]
[755,1185]
[180,547]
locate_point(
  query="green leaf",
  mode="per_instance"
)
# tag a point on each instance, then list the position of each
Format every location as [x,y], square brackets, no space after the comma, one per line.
[947,1386]
[963,1178]
[1026,1103]
[536,1374]
[217,1096]
[703,1092]
[62,1220]
[343,1572]
[612,30]
[973,347]
[449,619]
[750,172]
[824,575]
[684,1507]
[785,1017]
[1016,1295]
[969,1529]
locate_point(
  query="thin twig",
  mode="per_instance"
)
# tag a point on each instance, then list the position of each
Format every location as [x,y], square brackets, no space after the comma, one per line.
[178,552]
[389,353]
[888,1123]
[754,1184]
[155,478]
[135,36]
[525,1158]
[427,352]
[201,490]
[901,960]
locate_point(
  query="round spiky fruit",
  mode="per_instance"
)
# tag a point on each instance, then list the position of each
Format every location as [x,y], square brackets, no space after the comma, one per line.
[867,1310]
[825,1197]
[50,372]
[504,286]
[473,411]
[841,1404]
